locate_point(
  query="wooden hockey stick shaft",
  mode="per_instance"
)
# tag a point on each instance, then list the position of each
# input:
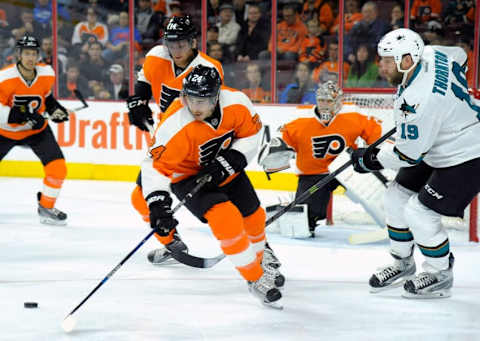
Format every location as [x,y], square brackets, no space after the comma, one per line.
[202,181]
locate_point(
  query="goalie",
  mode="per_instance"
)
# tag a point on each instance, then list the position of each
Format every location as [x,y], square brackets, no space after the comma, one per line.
[317,141]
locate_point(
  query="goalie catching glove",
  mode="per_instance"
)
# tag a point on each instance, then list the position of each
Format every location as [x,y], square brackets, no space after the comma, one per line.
[139,113]
[365,160]
[56,111]
[226,163]
[275,156]
[161,214]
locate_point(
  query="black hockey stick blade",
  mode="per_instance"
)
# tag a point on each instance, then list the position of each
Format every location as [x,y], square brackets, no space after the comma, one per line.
[196,262]
[80,97]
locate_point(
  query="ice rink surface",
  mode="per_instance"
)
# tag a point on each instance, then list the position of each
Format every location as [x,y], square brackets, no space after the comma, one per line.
[326,295]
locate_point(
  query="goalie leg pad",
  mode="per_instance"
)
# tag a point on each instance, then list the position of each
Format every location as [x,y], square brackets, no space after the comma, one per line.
[294,223]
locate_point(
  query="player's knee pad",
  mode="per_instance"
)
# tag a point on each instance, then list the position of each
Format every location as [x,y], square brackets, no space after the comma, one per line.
[55,173]
[425,224]
[395,200]
[225,220]
[255,228]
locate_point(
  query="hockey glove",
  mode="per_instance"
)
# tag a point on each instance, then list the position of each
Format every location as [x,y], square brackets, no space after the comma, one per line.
[139,113]
[161,214]
[19,114]
[226,163]
[56,111]
[365,160]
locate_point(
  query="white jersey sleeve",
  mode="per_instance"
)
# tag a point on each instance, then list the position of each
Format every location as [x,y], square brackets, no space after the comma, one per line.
[436,119]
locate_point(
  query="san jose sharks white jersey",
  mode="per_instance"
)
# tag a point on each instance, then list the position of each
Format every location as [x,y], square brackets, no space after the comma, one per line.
[436,118]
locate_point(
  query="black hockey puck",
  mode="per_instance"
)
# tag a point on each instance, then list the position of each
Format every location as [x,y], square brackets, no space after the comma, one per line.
[30,305]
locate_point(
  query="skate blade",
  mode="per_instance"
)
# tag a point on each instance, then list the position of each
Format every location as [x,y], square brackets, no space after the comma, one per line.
[273,305]
[394,285]
[444,293]
[49,221]
[166,261]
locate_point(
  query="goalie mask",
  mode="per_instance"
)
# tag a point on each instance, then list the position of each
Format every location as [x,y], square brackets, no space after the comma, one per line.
[329,101]
[275,156]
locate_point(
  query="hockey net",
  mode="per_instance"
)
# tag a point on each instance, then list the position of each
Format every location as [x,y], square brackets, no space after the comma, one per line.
[340,211]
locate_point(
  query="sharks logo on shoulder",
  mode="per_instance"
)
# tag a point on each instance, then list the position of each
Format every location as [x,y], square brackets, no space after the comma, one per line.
[408,109]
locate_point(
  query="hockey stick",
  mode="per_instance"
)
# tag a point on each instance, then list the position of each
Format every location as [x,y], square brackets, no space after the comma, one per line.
[69,322]
[199,262]
[80,97]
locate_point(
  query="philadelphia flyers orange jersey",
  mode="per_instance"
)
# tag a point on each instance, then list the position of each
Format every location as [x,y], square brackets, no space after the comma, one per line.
[14,90]
[183,145]
[317,145]
[159,71]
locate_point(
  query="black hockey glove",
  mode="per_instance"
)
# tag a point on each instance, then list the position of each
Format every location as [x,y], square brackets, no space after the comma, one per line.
[365,160]
[19,114]
[139,113]
[226,163]
[56,111]
[161,214]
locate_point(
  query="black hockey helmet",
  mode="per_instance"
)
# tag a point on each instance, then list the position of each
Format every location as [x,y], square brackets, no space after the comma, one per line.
[180,28]
[202,81]
[27,42]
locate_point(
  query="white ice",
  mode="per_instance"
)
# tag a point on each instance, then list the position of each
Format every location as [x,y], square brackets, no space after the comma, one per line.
[326,295]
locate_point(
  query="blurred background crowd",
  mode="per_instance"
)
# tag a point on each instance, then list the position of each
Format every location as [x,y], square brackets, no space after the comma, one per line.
[93,45]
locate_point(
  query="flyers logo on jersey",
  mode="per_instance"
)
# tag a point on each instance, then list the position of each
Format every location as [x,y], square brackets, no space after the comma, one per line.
[211,148]
[31,102]
[329,144]
[157,152]
[167,96]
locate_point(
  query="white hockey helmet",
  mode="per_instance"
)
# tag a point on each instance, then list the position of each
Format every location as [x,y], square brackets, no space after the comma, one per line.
[400,42]
[329,100]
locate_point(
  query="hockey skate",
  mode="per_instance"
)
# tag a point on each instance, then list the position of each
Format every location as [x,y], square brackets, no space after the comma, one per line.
[163,256]
[394,275]
[50,216]
[265,289]
[434,284]
[271,262]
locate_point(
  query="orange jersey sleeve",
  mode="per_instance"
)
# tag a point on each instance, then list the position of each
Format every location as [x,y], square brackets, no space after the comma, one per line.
[317,145]
[14,90]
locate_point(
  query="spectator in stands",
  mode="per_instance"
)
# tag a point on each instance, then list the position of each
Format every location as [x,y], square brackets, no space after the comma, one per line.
[253,36]
[367,31]
[302,90]
[320,10]
[397,18]
[290,34]
[117,85]
[352,16]
[148,23]
[72,80]
[219,52]
[382,81]
[86,32]
[117,46]
[458,12]
[213,10]
[46,54]
[363,72]
[212,35]
[434,35]
[329,69]
[254,89]
[313,46]
[228,28]
[467,46]
[425,10]
[95,67]
[25,26]
[240,9]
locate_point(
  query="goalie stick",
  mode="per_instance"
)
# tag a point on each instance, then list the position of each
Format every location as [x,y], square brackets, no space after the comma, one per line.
[69,322]
[199,262]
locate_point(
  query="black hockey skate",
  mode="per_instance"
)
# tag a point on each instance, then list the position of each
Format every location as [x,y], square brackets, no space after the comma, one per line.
[434,284]
[163,256]
[50,216]
[265,290]
[271,263]
[394,275]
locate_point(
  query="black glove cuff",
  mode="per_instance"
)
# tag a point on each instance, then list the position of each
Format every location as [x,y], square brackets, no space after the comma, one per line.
[370,160]
[236,159]
[159,197]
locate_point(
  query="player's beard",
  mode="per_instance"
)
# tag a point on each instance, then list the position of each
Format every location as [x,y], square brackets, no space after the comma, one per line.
[396,79]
